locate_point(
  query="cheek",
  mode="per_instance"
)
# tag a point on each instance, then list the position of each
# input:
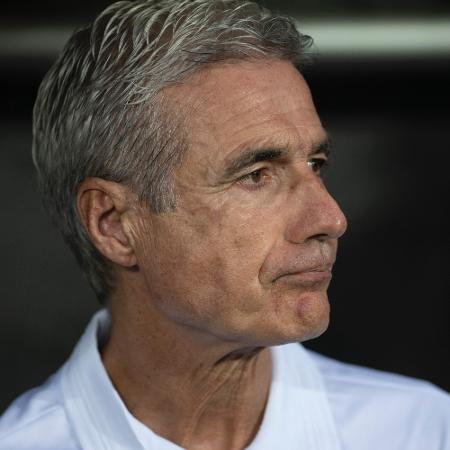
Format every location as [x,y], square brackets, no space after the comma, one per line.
[206,263]
[229,258]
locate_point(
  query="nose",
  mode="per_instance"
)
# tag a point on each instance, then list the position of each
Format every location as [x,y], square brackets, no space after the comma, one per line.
[314,213]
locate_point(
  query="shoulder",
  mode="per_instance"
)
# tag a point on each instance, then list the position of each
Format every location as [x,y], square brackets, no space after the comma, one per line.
[391,406]
[37,421]
[364,379]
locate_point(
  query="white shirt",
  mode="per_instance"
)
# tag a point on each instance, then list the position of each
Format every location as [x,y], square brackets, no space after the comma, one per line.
[315,403]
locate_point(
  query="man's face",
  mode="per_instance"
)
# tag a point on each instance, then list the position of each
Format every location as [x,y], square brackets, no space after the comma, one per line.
[247,253]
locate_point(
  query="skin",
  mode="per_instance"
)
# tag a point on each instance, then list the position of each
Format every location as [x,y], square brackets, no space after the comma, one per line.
[242,263]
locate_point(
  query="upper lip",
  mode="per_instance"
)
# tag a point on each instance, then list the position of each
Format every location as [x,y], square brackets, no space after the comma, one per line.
[300,261]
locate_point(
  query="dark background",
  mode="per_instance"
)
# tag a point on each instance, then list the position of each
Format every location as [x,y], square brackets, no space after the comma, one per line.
[389,119]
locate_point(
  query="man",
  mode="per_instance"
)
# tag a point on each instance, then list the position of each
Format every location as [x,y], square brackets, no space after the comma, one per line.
[179,152]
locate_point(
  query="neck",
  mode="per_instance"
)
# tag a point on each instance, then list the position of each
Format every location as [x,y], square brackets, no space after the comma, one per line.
[198,393]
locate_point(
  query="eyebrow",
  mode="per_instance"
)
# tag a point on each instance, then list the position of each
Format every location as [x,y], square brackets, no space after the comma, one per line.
[324,146]
[251,156]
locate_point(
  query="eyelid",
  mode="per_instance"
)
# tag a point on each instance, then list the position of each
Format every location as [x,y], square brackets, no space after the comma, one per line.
[252,169]
[318,156]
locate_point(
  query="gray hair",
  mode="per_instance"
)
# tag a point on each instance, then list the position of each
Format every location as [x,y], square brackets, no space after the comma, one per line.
[100,110]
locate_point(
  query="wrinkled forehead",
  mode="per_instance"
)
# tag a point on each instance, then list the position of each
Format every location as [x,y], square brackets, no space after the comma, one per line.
[229,107]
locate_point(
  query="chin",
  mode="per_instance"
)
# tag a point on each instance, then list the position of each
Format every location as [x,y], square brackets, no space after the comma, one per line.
[303,318]
[313,314]
[314,330]
[292,317]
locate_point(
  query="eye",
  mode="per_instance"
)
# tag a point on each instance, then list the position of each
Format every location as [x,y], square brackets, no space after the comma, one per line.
[318,164]
[255,179]
[256,176]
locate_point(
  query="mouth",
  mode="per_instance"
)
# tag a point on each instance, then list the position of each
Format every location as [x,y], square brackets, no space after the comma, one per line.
[309,278]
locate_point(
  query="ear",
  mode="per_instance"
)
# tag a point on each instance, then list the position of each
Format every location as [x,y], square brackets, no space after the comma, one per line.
[102,206]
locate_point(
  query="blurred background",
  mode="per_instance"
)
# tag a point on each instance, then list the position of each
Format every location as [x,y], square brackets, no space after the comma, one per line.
[381,85]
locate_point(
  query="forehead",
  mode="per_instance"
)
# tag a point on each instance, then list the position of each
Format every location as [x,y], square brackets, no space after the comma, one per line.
[229,108]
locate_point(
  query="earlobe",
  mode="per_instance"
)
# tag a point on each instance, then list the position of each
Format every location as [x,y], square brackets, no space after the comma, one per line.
[101,206]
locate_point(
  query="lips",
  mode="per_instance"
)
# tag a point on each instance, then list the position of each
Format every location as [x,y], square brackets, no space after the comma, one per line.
[313,274]
[306,264]
[307,278]
[307,270]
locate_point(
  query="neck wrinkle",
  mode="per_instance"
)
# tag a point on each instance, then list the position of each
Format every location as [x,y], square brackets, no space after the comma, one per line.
[195,394]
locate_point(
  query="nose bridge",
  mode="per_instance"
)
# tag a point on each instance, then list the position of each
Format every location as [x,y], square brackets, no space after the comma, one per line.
[316,213]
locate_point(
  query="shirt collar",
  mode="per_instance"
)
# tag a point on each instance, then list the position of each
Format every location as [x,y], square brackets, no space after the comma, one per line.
[297,413]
